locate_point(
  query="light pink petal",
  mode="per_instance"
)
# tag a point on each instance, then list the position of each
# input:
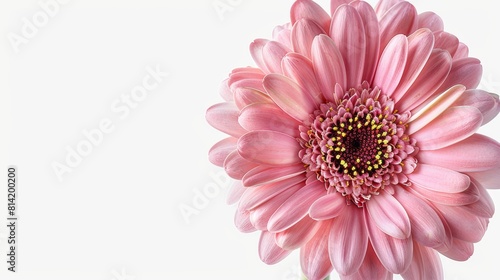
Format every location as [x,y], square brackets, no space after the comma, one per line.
[372,38]
[269,252]
[225,92]
[420,44]
[399,19]
[431,21]
[289,96]
[246,79]
[395,254]
[236,166]
[328,65]
[265,116]
[235,192]
[439,179]
[269,147]
[309,10]
[334,4]
[224,117]
[298,235]
[260,215]
[425,264]
[476,153]
[430,79]
[301,70]
[254,197]
[327,207]
[247,96]
[434,108]
[314,258]
[303,33]
[392,64]
[389,215]
[282,34]
[273,53]
[261,175]
[489,178]
[218,153]
[485,206]
[459,123]
[383,6]
[466,71]
[446,41]
[459,251]
[470,195]
[295,207]
[462,51]
[426,225]
[242,221]
[487,103]
[371,268]
[463,224]
[348,241]
[256,48]
[348,34]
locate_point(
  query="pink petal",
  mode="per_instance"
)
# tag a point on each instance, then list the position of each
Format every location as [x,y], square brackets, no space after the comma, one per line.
[426,225]
[463,224]
[224,117]
[462,51]
[389,215]
[303,33]
[289,96]
[431,21]
[459,251]
[459,123]
[261,175]
[273,52]
[425,264]
[218,153]
[242,221]
[301,70]
[328,65]
[334,4]
[254,197]
[439,179]
[225,92]
[236,166]
[446,41]
[298,235]
[476,153]
[466,197]
[489,178]
[235,192]
[327,207]
[484,207]
[395,254]
[392,64]
[372,38]
[420,45]
[314,258]
[269,252]
[282,34]
[244,96]
[246,78]
[371,268]
[399,19]
[309,10]
[430,79]
[383,6]
[256,48]
[348,34]
[434,108]
[466,71]
[269,147]
[348,241]
[262,116]
[487,103]
[295,207]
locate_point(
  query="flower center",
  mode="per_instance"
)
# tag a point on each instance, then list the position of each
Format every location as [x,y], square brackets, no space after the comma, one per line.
[358,146]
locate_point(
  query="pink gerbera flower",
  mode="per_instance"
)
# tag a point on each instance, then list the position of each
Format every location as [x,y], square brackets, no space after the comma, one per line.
[354,140]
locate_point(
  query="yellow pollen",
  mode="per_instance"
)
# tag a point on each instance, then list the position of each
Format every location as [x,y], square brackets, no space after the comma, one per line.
[359,125]
[358,160]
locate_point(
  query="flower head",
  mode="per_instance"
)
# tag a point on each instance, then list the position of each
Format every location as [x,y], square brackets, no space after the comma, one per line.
[355,140]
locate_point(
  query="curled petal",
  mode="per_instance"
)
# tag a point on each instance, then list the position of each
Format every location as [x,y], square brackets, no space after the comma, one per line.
[269,147]
[269,252]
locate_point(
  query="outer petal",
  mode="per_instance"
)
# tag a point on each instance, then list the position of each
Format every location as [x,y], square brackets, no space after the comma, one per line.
[459,251]
[466,197]
[466,71]
[446,41]
[389,215]
[424,265]
[347,253]
[392,64]
[327,207]
[236,166]
[269,147]
[476,153]
[459,123]
[242,221]
[399,19]
[244,96]
[254,197]
[463,224]
[235,192]
[266,116]
[430,20]
[301,70]
[273,52]
[487,103]
[309,10]
[298,235]
[371,268]
[303,33]
[256,48]
[439,179]
[289,96]
[269,252]
[224,117]
[489,178]
[328,65]
[218,153]
[383,6]
[348,34]
[314,258]
[265,174]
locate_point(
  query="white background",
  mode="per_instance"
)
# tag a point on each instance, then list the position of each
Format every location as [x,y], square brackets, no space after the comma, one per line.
[117,215]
